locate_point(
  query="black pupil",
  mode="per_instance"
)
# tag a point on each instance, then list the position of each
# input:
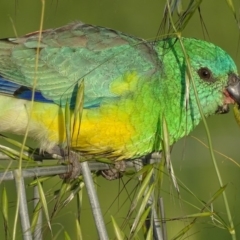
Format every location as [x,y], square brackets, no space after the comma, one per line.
[204,73]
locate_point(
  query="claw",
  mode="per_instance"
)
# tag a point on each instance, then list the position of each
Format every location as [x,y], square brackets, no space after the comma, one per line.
[75,171]
[115,171]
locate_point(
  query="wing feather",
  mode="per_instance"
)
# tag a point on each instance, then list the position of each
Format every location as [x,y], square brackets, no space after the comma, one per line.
[69,54]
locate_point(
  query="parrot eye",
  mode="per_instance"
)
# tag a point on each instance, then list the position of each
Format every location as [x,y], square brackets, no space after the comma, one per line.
[205,74]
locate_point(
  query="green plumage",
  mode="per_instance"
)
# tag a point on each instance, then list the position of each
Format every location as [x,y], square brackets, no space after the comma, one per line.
[130,84]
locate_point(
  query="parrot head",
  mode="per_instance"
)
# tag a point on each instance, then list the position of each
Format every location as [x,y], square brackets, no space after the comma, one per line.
[214,74]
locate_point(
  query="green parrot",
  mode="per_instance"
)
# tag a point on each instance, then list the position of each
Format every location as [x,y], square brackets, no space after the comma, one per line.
[129,86]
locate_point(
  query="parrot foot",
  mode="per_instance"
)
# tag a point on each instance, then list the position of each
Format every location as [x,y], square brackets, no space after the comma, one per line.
[115,171]
[74,173]
[73,159]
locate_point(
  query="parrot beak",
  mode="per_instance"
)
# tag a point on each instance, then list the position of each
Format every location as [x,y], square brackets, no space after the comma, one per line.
[233,87]
[231,94]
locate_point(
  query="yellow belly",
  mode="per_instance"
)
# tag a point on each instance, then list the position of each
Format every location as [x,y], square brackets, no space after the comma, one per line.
[112,130]
[105,130]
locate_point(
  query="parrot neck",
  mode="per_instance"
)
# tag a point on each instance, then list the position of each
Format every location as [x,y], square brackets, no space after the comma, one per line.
[177,106]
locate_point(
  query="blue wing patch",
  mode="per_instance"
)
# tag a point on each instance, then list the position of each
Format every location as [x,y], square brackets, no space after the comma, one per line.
[7,87]
[22,92]
[26,93]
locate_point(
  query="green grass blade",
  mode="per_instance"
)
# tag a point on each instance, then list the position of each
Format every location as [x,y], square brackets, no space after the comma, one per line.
[68,123]
[14,154]
[144,186]
[78,109]
[118,233]
[35,216]
[44,205]
[231,6]
[66,236]
[142,207]
[141,222]
[167,154]
[78,230]
[5,212]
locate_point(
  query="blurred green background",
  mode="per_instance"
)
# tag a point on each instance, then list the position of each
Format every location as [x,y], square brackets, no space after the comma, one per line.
[191,160]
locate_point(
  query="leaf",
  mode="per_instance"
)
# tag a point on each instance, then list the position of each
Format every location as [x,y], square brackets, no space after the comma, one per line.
[78,109]
[66,236]
[118,233]
[143,205]
[44,205]
[5,211]
[36,214]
